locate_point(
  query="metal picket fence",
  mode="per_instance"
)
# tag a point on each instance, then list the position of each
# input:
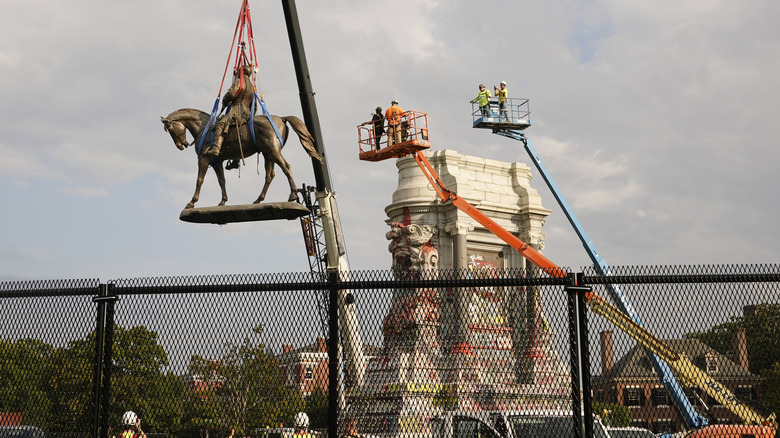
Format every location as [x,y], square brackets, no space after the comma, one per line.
[499,354]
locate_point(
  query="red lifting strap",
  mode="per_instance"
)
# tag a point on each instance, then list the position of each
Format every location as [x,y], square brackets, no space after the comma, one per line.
[243,26]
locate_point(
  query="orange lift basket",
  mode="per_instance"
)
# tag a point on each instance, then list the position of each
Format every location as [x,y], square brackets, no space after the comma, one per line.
[414,137]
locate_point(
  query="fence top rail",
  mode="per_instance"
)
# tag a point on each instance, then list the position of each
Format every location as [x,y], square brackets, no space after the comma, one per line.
[42,288]
[389,279]
[671,279]
[354,280]
[684,274]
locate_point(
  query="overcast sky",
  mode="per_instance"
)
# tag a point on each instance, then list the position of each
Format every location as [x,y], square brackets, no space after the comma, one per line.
[658,120]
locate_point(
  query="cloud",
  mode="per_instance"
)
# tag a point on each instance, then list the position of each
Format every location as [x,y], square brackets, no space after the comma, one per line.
[657,121]
[88,192]
[16,254]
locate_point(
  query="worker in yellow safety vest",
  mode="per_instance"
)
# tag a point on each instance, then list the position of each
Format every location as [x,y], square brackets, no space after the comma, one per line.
[502,94]
[132,426]
[483,100]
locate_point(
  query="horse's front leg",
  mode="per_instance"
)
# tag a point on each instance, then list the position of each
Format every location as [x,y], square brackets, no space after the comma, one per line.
[220,171]
[269,176]
[203,166]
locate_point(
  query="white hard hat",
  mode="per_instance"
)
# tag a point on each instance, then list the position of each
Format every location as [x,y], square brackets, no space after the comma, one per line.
[301,420]
[129,419]
[503,82]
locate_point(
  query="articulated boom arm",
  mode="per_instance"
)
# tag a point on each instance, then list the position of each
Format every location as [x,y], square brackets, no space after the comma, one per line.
[688,412]
[523,248]
[682,366]
[685,369]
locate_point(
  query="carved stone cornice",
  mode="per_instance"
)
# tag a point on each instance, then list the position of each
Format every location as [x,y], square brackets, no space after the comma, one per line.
[459,227]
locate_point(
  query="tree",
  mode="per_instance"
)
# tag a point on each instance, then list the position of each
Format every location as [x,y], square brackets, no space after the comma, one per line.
[71,384]
[317,409]
[613,414]
[138,382]
[24,386]
[771,398]
[762,333]
[243,390]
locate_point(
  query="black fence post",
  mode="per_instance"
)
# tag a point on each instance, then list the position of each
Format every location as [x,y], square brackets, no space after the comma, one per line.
[587,395]
[582,402]
[108,359]
[97,365]
[574,355]
[101,377]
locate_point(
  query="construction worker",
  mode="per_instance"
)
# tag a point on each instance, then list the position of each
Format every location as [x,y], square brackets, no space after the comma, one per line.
[379,125]
[502,94]
[239,96]
[393,116]
[131,426]
[301,423]
[483,100]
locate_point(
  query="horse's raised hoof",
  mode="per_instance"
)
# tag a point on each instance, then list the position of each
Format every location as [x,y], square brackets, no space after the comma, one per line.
[293,197]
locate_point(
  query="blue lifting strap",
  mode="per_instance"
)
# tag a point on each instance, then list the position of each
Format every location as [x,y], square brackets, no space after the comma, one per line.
[212,121]
[268,116]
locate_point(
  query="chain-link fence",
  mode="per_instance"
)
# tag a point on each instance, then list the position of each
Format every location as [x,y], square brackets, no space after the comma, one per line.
[445,354]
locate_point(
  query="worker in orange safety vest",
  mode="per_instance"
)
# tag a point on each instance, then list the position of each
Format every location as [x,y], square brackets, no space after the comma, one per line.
[393,116]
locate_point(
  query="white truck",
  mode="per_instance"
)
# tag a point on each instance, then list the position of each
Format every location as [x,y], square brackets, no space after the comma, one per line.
[510,424]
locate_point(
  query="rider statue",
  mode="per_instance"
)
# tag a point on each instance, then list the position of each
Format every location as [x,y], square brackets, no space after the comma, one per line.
[239,96]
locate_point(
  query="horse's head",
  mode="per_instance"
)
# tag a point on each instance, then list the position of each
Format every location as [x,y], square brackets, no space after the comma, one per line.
[177,130]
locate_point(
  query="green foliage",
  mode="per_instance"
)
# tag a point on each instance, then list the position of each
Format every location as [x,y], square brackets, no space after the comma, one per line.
[138,383]
[317,409]
[243,390]
[71,384]
[53,387]
[24,386]
[613,414]
[771,399]
[762,331]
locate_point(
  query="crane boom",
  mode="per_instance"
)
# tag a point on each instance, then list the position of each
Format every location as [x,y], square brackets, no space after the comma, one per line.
[340,303]
[689,414]
[656,346]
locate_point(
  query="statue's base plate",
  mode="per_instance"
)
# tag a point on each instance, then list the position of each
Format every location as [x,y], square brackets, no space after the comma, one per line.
[244,213]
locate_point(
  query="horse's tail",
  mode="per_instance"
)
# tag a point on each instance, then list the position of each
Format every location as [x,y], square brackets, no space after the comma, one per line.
[307,140]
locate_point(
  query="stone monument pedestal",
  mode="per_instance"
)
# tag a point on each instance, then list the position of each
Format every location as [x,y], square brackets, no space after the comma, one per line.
[472,349]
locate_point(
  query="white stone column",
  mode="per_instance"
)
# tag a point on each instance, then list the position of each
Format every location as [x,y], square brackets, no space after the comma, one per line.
[460,231]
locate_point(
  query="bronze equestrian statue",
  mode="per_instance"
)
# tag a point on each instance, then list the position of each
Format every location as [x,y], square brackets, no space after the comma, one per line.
[232,146]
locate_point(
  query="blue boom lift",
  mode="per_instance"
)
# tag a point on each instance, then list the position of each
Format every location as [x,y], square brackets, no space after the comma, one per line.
[513,125]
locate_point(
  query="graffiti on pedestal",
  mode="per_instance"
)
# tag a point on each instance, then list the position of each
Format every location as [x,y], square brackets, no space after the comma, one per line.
[413,312]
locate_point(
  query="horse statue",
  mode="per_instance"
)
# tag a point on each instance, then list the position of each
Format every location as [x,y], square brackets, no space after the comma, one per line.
[236,147]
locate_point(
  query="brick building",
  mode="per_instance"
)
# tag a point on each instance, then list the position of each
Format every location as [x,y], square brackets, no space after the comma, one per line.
[632,382]
[307,366]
